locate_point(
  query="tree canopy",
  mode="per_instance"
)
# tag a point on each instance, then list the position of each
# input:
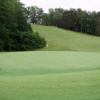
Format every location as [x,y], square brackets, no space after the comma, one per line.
[72,19]
[15,33]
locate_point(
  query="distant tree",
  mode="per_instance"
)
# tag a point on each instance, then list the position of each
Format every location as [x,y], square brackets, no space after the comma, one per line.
[35,14]
[45,19]
[97,24]
[74,19]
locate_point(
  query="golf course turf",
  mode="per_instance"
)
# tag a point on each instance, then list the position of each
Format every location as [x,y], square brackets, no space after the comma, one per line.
[45,75]
[68,69]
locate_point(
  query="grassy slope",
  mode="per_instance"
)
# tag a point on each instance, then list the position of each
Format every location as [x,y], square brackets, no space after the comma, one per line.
[49,75]
[53,75]
[59,39]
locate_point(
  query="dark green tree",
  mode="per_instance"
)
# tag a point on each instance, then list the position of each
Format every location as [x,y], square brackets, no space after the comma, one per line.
[15,33]
[35,14]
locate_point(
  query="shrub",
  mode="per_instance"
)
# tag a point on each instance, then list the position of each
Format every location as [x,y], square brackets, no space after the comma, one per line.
[22,41]
[1,45]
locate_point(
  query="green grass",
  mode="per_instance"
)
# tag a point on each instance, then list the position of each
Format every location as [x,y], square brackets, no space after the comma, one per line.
[45,75]
[59,39]
[53,74]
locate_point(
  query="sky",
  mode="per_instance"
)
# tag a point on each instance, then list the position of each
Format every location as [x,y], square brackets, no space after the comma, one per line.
[89,5]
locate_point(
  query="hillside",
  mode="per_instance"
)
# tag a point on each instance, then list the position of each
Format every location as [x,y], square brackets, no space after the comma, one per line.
[60,39]
[72,74]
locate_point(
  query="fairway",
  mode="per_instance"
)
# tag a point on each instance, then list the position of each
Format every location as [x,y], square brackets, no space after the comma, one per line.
[60,39]
[49,50]
[45,75]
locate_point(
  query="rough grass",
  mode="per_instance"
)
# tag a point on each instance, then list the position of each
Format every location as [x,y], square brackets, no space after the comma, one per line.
[59,39]
[45,75]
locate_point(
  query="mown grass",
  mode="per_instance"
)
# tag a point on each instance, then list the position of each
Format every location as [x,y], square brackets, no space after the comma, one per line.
[45,75]
[59,39]
[65,70]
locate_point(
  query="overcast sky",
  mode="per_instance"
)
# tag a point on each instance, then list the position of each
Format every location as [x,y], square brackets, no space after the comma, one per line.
[90,5]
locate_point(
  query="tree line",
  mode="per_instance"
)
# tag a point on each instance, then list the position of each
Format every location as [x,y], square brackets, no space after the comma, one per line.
[72,19]
[15,33]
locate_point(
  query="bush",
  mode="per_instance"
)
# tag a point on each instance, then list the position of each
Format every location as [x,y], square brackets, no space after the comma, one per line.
[1,45]
[20,41]
[40,42]
[23,41]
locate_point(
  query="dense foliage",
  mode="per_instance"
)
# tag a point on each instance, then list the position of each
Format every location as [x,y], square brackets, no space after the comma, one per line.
[73,19]
[76,20]
[15,33]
